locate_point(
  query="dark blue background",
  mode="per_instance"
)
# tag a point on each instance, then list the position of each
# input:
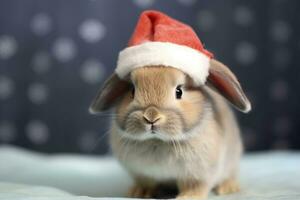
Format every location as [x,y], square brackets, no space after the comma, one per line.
[54,55]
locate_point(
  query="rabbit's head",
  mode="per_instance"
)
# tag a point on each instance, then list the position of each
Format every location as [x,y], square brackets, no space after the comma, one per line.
[163,102]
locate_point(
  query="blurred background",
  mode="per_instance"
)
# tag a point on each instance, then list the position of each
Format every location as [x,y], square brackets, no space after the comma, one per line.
[54,55]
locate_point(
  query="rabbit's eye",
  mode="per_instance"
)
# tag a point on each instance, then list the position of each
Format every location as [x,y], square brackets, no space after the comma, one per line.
[132,92]
[178,92]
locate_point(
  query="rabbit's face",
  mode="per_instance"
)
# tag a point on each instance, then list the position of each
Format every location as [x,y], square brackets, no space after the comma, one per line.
[162,104]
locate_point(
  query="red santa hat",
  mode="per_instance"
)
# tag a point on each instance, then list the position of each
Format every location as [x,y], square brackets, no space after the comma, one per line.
[160,40]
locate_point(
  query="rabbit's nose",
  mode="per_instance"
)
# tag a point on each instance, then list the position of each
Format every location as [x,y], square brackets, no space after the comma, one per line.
[152,115]
[151,121]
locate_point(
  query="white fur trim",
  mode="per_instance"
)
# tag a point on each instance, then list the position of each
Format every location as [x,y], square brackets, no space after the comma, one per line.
[192,62]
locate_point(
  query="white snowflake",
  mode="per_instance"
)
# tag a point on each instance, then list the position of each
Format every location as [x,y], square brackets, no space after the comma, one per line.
[92,71]
[37,132]
[41,24]
[37,93]
[144,3]
[245,53]
[280,31]
[6,87]
[64,49]
[206,20]
[87,141]
[243,16]
[8,46]
[92,30]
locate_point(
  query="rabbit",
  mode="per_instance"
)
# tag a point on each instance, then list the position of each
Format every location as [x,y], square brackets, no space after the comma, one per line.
[167,130]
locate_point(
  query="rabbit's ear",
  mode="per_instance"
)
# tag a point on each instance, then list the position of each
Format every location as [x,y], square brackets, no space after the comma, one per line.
[224,81]
[112,90]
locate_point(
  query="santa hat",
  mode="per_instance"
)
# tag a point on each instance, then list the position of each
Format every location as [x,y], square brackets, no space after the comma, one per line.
[160,40]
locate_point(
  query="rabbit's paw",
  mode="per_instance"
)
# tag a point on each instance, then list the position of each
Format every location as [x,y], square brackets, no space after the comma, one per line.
[138,191]
[228,186]
[192,190]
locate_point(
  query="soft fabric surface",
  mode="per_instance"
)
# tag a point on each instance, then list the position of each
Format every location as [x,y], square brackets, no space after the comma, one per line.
[28,175]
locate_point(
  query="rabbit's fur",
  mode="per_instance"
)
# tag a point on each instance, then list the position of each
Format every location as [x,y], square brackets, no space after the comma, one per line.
[193,142]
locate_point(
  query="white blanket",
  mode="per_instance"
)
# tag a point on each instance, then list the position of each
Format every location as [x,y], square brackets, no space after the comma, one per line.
[34,176]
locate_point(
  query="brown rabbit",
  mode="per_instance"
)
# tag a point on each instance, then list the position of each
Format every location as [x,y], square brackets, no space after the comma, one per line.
[170,127]
[169,130]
